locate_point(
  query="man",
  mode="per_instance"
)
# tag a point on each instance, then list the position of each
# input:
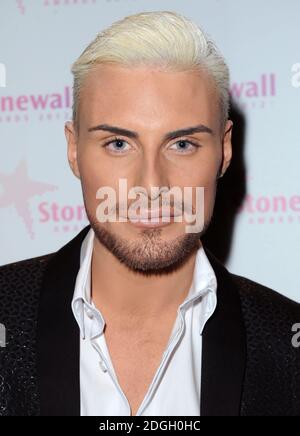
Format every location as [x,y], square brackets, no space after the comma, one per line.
[135,316]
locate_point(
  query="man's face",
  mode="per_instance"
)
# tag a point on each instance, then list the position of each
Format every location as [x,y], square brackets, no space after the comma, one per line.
[151,103]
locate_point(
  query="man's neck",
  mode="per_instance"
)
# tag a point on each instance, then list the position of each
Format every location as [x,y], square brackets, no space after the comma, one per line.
[126,294]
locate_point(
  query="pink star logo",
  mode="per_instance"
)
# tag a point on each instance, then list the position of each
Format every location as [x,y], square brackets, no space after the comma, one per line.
[17,189]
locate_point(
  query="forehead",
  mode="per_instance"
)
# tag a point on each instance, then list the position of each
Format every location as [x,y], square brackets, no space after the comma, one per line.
[147,92]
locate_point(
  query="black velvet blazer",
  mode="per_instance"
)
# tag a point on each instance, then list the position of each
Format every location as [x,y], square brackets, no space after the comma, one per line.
[249,366]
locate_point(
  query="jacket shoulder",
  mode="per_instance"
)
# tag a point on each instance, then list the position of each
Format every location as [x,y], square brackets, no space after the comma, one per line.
[20,281]
[23,267]
[263,297]
[272,377]
[23,264]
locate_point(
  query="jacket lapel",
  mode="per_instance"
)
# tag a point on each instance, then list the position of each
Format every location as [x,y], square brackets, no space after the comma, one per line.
[58,338]
[223,349]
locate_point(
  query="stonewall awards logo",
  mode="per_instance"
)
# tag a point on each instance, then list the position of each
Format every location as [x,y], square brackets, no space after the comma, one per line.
[48,106]
[256,93]
[17,189]
[271,209]
[25,6]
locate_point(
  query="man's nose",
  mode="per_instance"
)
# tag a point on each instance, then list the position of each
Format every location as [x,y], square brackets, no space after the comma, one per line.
[152,175]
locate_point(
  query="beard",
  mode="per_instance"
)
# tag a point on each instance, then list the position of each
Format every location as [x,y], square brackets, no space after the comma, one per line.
[150,254]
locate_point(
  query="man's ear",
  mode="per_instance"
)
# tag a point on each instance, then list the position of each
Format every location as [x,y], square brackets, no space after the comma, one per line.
[72,142]
[227,146]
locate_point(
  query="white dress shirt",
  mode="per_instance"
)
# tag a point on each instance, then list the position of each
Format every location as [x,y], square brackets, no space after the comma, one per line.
[175,388]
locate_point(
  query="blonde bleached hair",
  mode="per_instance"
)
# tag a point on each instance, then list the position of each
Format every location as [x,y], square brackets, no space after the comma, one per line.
[163,39]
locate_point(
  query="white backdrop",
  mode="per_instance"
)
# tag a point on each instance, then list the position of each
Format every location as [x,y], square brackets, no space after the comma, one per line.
[41,204]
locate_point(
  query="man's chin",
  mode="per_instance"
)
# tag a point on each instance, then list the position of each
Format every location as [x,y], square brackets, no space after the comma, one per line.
[149,254]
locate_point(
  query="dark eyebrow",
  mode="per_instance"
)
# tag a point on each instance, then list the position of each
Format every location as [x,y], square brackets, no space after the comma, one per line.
[200,128]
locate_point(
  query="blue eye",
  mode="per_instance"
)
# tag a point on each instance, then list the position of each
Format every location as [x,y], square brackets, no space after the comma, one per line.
[182,146]
[116,146]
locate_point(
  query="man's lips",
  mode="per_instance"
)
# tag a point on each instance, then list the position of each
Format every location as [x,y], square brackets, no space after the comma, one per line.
[154,215]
